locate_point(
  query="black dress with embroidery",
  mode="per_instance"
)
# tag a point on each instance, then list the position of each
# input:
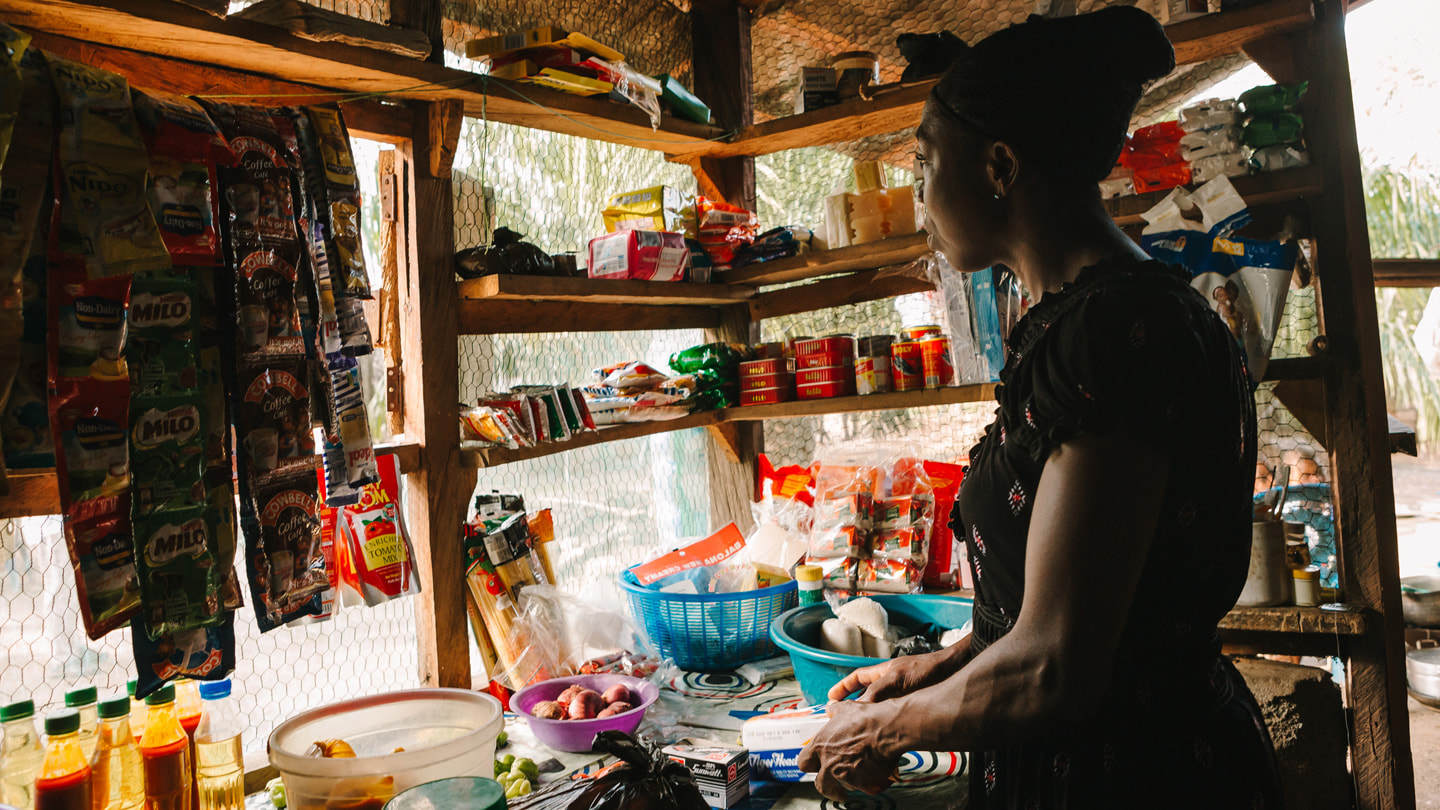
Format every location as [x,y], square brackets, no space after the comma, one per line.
[1129,348]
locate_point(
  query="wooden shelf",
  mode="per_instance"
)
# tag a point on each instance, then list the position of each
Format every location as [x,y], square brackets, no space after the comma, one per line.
[896,107]
[1295,368]
[154,33]
[495,456]
[1265,188]
[601,291]
[1297,620]
[36,492]
[817,263]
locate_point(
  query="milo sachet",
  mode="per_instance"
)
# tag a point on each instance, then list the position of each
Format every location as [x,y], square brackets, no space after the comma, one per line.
[105,218]
[177,559]
[161,349]
[167,455]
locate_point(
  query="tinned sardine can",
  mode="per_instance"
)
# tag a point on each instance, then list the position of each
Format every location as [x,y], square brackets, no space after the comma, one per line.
[769,365]
[907,373]
[766,396]
[824,374]
[825,390]
[832,344]
[804,361]
[917,333]
[936,363]
[872,375]
[756,382]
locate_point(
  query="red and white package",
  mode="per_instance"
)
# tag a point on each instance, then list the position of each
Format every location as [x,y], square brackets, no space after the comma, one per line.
[639,256]
[375,545]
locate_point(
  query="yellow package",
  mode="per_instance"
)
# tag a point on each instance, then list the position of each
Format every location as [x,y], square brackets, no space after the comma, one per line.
[105,218]
[660,208]
[12,47]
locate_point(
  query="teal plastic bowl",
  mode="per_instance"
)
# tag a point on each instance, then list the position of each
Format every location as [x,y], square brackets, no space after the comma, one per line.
[797,632]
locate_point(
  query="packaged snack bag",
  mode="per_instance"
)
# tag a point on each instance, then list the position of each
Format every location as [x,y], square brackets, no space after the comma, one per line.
[180,579]
[102,553]
[375,537]
[202,654]
[185,147]
[282,528]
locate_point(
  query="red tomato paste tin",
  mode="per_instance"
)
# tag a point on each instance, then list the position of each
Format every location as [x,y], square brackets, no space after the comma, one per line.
[833,344]
[769,365]
[756,382]
[872,375]
[825,390]
[916,333]
[935,362]
[824,359]
[906,370]
[824,374]
[766,396]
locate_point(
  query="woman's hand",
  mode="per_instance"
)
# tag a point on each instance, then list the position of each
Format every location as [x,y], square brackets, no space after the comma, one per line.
[901,676]
[854,751]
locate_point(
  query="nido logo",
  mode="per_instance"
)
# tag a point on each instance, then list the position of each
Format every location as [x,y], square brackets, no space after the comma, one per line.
[169,309]
[170,542]
[89,179]
[177,425]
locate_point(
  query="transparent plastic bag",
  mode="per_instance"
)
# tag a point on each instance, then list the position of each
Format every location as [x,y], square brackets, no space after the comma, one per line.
[563,635]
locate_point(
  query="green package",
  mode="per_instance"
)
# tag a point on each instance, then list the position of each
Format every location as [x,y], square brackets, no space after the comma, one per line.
[1272,98]
[1273,130]
[167,454]
[161,350]
[178,560]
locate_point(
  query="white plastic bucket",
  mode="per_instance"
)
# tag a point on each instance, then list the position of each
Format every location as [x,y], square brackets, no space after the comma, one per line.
[445,733]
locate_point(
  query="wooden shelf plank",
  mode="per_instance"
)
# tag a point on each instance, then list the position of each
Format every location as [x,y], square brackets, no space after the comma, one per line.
[1265,188]
[1295,368]
[173,31]
[601,291]
[1299,620]
[512,316]
[1407,272]
[855,288]
[494,456]
[37,491]
[896,107]
[817,263]
[981,392]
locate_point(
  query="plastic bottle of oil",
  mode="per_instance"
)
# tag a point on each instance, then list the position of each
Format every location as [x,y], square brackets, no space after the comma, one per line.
[119,776]
[83,700]
[220,765]
[137,711]
[64,782]
[20,755]
[189,708]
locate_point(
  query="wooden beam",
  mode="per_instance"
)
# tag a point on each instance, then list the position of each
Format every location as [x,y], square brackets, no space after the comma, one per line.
[867,285]
[601,291]
[32,493]
[1275,54]
[983,392]
[445,120]
[534,317]
[476,457]
[1363,488]
[174,31]
[438,496]
[1204,38]
[365,118]
[1407,272]
[1289,619]
[1402,438]
[817,263]
[425,16]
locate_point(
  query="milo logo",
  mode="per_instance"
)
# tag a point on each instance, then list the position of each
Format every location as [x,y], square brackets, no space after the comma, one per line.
[177,425]
[94,433]
[170,542]
[149,310]
[99,312]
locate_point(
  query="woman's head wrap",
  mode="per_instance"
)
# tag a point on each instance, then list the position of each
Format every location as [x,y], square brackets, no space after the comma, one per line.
[1061,91]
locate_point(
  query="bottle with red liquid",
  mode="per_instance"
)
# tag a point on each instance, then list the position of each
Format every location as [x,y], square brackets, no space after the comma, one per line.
[189,707]
[64,781]
[165,751]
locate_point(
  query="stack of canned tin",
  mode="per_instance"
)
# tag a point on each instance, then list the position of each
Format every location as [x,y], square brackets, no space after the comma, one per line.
[840,365]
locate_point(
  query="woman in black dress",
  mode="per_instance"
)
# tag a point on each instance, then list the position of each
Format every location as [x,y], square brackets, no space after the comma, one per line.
[1107,508]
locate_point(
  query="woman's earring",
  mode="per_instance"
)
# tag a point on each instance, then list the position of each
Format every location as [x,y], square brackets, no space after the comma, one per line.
[997,195]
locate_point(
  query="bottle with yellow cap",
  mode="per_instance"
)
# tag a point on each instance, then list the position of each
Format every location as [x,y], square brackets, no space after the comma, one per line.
[808,579]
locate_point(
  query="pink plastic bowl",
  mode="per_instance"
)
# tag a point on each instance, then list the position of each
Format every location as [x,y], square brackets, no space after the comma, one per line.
[579,735]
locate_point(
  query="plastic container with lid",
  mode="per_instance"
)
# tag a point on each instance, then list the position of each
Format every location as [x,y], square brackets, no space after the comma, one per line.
[83,700]
[854,70]
[1307,585]
[119,778]
[812,588]
[20,755]
[446,733]
[469,792]
[64,779]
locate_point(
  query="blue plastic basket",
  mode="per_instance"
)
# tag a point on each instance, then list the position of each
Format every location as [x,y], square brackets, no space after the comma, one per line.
[710,632]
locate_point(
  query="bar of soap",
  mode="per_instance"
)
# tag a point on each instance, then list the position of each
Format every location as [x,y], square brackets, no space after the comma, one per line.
[839,636]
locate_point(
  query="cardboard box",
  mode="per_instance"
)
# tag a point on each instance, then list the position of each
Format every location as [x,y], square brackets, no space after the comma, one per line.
[639,255]
[818,89]
[721,771]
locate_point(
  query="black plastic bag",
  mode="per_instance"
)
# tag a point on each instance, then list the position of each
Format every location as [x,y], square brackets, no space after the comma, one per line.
[643,779]
[506,254]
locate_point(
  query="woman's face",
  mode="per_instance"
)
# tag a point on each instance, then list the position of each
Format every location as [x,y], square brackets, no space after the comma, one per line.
[962,216]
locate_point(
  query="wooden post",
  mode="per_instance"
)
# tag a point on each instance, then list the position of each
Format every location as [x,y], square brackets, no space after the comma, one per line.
[723,80]
[438,492]
[425,16]
[1359,451]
